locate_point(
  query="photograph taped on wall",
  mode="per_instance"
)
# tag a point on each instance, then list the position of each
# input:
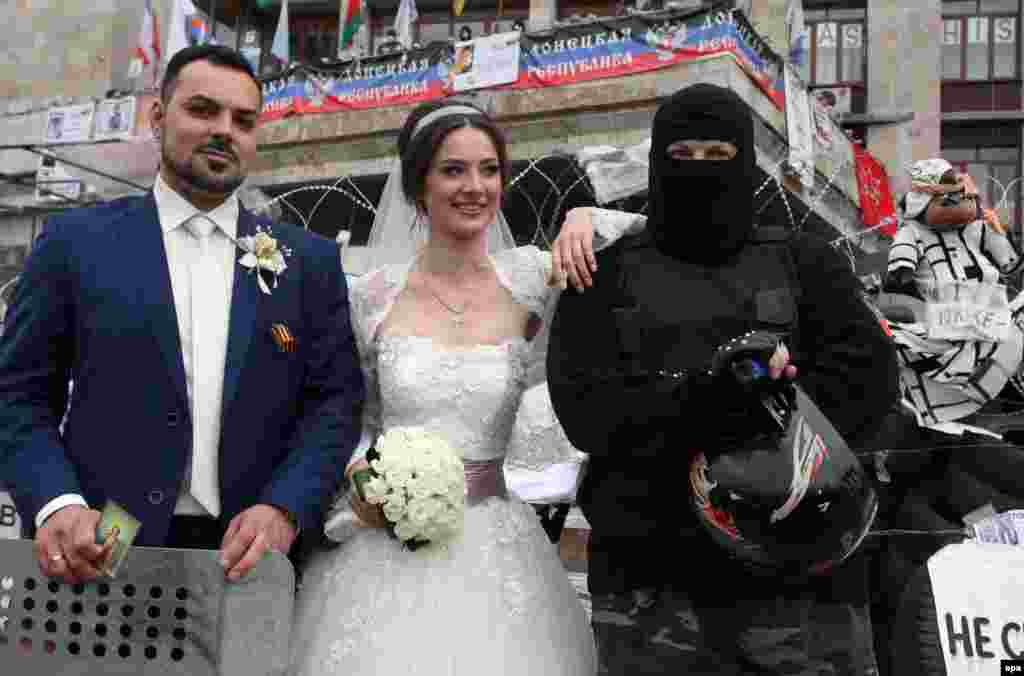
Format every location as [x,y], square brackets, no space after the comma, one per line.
[115,119]
[69,124]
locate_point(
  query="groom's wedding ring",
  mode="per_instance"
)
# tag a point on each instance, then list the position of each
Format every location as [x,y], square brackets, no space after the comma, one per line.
[56,557]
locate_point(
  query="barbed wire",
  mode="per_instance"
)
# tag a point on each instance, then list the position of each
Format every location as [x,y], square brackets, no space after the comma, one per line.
[920,450]
[819,197]
[1003,200]
[899,532]
[546,204]
[999,204]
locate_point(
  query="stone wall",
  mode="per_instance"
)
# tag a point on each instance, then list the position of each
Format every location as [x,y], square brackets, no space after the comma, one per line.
[75,48]
[59,42]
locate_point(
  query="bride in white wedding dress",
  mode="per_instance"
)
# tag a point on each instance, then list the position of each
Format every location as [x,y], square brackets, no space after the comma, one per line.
[450,337]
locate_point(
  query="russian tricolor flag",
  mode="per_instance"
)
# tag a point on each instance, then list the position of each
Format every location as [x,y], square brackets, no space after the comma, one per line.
[148,48]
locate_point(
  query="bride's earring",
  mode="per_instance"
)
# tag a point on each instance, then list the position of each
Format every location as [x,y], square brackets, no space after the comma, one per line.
[420,223]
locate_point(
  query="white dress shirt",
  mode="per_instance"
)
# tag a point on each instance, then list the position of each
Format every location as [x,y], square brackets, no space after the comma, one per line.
[182,248]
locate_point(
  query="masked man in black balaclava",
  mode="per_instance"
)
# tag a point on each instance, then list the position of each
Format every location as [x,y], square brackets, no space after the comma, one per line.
[628,373]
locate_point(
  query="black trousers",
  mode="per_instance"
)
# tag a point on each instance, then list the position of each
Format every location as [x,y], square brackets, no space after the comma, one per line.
[712,620]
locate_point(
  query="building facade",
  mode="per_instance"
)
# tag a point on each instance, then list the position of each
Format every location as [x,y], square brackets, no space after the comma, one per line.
[909,80]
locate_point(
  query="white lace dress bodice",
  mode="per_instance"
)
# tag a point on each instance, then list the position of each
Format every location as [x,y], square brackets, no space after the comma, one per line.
[468,395]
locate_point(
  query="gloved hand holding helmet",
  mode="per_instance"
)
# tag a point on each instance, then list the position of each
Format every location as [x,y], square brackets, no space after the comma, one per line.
[785,495]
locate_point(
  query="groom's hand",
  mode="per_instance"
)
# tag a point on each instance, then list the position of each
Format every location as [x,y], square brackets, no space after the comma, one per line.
[66,548]
[251,535]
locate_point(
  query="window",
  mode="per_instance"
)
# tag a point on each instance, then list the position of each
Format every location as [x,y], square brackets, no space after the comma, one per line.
[838,46]
[993,170]
[310,38]
[438,30]
[979,40]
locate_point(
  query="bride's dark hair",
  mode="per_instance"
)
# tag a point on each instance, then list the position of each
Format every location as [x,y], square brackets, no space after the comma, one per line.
[417,150]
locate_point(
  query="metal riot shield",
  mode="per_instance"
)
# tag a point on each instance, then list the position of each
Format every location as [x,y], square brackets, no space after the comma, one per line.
[168,612]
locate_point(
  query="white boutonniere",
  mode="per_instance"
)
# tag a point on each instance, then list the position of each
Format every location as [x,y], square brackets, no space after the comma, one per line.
[263,254]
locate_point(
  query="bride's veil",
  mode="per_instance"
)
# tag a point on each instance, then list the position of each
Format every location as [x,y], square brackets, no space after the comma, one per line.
[398,233]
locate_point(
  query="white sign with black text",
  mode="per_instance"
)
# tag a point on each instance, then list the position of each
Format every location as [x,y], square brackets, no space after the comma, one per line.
[978,602]
[485,62]
[967,311]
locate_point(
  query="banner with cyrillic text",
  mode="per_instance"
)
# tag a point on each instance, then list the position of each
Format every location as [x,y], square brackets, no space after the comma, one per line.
[566,55]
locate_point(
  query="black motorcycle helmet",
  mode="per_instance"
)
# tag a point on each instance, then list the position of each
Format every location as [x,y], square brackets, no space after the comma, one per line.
[789,501]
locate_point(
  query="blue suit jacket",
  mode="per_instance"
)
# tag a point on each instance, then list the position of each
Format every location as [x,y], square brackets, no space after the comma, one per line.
[95,305]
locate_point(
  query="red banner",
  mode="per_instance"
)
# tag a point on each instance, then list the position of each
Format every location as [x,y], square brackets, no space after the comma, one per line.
[877,208]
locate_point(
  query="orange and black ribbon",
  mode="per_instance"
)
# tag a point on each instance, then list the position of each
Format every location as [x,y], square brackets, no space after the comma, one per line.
[283,338]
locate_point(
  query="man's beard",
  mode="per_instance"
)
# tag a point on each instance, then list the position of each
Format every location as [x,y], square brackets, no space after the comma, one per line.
[200,182]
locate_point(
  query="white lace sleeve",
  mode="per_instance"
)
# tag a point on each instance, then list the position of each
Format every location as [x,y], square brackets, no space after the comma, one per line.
[370,299]
[361,320]
[525,272]
[610,225]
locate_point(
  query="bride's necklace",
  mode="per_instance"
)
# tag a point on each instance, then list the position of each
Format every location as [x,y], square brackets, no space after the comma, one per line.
[458,314]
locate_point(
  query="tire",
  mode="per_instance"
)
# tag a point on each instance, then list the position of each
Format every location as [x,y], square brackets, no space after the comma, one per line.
[915,646]
[903,554]
[894,570]
[898,432]
[964,492]
[1000,465]
[918,513]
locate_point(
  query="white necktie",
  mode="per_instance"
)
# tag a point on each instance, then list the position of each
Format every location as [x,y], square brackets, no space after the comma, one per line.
[209,347]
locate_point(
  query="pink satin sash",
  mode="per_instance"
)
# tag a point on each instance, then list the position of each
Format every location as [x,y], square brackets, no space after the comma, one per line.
[484,479]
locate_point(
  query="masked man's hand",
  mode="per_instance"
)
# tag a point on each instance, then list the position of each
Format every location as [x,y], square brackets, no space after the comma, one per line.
[752,357]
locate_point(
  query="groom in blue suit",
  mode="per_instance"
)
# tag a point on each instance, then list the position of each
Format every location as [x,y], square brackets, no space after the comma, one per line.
[216,385]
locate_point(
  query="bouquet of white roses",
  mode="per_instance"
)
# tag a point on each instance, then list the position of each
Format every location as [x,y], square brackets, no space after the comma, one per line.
[419,481]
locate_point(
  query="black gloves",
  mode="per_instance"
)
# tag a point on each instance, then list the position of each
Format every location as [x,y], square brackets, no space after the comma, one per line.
[743,362]
[751,402]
